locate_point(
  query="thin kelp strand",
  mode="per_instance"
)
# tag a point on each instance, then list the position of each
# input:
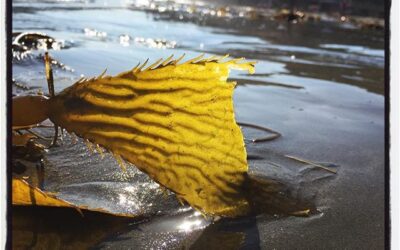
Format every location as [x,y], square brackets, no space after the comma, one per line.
[311,163]
[81,79]
[89,145]
[180,200]
[235,60]
[100,151]
[133,69]
[222,58]
[120,162]
[74,138]
[164,191]
[38,135]
[167,61]
[141,66]
[154,64]
[274,135]
[211,58]
[102,74]
[179,59]
[194,60]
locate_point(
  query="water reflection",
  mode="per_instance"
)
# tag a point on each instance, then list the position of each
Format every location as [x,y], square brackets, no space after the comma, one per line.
[157,43]
[94,33]
[191,223]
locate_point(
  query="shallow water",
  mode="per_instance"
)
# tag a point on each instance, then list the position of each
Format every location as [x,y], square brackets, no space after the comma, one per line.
[320,84]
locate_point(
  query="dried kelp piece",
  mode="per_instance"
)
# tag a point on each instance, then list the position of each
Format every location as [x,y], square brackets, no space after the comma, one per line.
[173,121]
[26,195]
[23,194]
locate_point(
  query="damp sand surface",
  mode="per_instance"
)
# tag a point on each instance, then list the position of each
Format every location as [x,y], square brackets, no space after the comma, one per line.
[320,84]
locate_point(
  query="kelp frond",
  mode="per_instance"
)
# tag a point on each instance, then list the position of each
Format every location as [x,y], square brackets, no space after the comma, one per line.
[174,121]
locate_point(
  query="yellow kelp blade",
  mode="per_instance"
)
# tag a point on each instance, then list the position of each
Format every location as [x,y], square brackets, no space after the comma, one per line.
[23,194]
[175,122]
[26,195]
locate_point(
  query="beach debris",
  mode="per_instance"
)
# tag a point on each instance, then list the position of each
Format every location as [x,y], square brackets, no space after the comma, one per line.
[311,163]
[274,134]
